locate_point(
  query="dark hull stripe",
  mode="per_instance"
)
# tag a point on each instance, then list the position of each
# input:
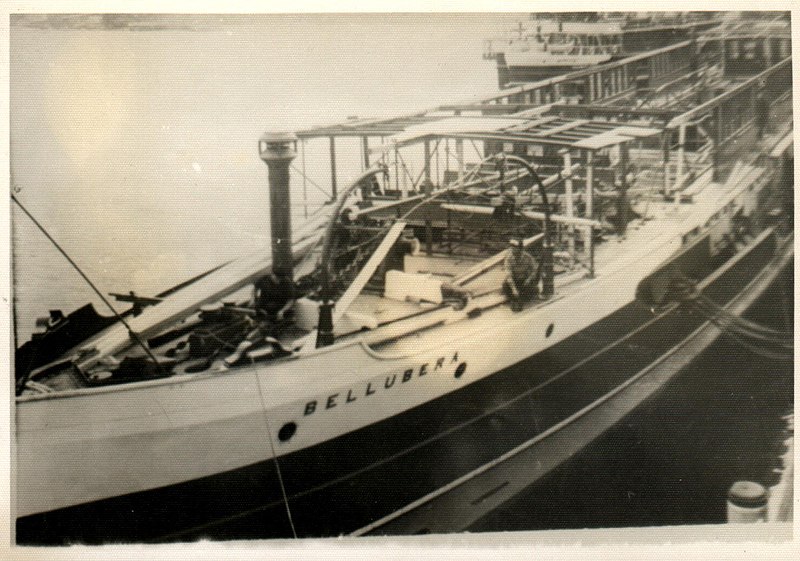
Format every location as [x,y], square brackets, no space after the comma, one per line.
[346,483]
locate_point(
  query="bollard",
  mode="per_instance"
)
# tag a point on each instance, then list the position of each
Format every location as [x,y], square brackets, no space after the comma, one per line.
[747,503]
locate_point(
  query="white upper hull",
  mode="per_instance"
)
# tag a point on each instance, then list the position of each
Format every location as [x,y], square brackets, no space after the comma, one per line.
[97,443]
[545,59]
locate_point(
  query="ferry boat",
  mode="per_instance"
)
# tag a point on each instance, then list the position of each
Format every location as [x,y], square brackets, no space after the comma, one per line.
[375,370]
[553,44]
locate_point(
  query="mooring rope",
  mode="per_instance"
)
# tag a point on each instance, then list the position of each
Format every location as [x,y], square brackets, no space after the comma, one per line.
[735,331]
[759,339]
[741,325]
[755,337]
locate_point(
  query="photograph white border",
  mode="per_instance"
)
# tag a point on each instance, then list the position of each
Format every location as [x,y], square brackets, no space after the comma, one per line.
[712,542]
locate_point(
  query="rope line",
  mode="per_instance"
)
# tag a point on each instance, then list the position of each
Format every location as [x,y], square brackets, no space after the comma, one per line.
[131,332]
[277,463]
[314,183]
[759,339]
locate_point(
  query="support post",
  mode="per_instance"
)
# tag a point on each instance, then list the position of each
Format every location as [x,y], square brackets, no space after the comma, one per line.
[305,179]
[622,195]
[427,167]
[460,155]
[717,154]
[334,194]
[398,172]
[427,189]
[460,158]
[570,207]
[366,189]
[626,82]
[681,157]
[589,242]
[589,184]
[665,137]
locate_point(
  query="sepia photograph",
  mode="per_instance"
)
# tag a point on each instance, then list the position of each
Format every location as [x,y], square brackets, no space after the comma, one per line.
[291,276]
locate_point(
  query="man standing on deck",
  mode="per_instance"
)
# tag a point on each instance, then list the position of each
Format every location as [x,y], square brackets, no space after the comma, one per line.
[523,271]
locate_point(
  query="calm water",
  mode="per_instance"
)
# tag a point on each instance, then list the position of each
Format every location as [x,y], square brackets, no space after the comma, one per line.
[137,150]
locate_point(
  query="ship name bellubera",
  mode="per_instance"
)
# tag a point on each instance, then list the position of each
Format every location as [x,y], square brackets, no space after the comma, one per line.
[345,397]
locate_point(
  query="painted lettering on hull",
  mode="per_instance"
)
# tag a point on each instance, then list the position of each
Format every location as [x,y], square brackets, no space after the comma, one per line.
[372,387]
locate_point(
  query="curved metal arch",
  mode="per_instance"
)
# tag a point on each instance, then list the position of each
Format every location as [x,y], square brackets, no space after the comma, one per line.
[325,325]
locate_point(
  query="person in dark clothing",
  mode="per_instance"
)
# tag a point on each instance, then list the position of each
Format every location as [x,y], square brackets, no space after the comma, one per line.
[521,285]
[274,296]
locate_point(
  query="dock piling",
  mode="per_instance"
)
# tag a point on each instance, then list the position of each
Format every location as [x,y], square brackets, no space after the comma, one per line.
[747,503]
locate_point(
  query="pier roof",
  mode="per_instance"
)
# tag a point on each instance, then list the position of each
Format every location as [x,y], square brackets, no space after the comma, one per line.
[368,127]
[553,130]
[509,118]
[526,126]
[504,104]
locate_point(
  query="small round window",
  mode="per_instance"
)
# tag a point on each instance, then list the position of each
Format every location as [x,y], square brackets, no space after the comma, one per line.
[287,431]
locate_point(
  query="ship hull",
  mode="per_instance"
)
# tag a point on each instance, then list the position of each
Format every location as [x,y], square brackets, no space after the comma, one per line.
[508,73]
[519,67]
[385,476]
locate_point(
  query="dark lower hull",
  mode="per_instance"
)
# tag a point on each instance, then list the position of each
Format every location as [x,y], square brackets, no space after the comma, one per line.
[358,478]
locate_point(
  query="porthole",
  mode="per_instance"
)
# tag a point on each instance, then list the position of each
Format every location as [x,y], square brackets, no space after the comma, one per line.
[460,370]
[549,330]
[287,431]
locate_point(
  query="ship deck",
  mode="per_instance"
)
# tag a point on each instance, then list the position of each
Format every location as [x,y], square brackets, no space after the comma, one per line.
[678,149]
[659,218]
